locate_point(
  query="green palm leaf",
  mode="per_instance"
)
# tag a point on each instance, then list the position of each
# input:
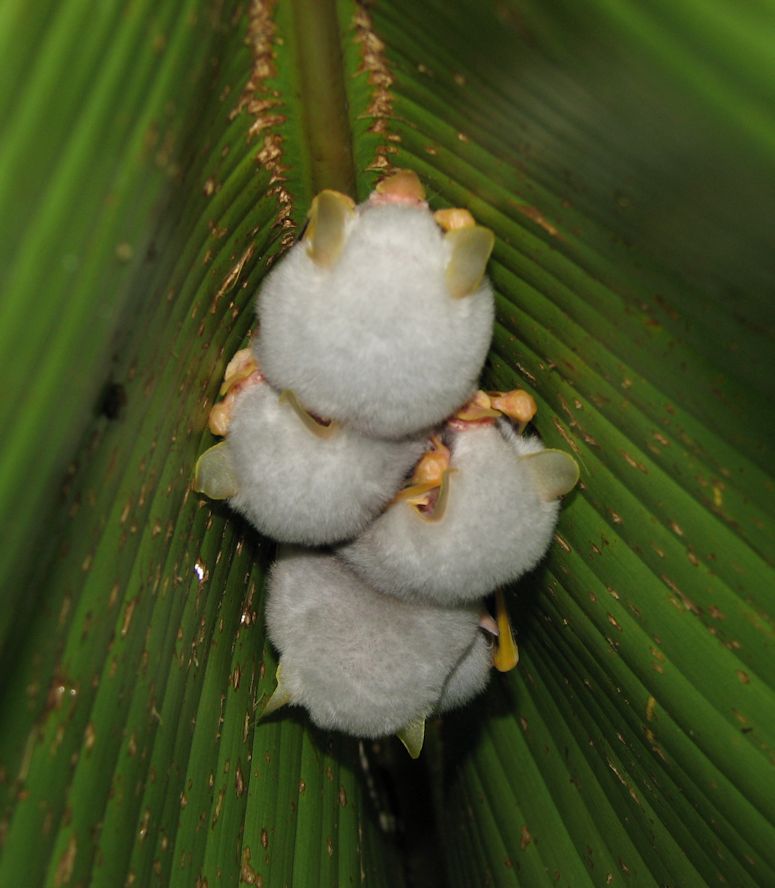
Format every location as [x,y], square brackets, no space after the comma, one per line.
[155,160]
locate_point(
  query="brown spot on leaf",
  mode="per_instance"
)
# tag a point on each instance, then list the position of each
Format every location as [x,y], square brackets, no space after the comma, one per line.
[565,435]
[66,863]
[230,281]
[89,737]
[124,252]
[142,832]
[128,614]
[375,65]
[247,873]
[535,215]
[631,461]
[684,598]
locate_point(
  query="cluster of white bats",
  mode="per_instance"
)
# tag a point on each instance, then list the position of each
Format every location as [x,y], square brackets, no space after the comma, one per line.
[353,430]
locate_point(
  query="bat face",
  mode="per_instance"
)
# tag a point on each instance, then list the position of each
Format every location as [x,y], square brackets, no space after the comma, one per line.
[378,334]
[497,523]
[364,663]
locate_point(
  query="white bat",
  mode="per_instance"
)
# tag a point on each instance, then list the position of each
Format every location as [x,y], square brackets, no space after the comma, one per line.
[365,663]
[297,479]
[381,317]
[492,522]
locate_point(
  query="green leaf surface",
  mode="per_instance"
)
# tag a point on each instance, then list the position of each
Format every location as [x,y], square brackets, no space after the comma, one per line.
[133,624]
[156,160]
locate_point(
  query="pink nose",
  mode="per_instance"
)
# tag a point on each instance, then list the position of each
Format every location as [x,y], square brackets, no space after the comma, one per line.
[402,187]
[380,199]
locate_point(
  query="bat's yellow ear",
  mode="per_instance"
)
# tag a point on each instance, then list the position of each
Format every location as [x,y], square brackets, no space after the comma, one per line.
[555,472]
[318,429]
[506,654]
[325,234]
[412,736]
[214,473]
[281,696]
[471,248]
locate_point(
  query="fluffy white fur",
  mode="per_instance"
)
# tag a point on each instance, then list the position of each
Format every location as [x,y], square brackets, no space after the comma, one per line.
[494,529]
[358,661]
[469,677]
[296,487]
[376,341]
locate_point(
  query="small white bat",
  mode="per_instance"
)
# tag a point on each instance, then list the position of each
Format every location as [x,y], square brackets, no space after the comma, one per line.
[381,317]
[364,663]
[492,522]
[297,479]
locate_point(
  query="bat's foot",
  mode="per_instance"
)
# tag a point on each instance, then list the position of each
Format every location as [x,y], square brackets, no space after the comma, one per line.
[485,407]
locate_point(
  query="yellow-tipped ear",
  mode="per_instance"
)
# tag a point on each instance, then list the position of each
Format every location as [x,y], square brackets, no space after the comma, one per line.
[318,429]
[555,471]
[412,736]
[214,473]
[328,217]
[281,696]
[440,506]
[506,654]
[403,185]
[416,494]
[471,248]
